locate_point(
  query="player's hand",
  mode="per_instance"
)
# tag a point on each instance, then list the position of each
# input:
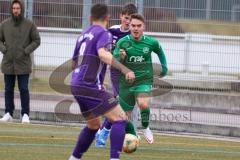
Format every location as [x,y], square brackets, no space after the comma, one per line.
[164,71]
[162,75]
[130,77]
[122,53]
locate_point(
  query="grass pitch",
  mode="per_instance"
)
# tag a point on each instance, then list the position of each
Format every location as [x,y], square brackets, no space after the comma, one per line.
[47,142]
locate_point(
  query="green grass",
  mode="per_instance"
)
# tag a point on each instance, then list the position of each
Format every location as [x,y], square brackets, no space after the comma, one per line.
[42,142]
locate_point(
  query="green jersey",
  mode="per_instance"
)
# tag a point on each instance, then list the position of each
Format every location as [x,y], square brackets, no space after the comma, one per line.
[138,58]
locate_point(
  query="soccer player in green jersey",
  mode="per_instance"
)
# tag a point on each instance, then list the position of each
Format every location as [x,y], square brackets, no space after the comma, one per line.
[134,51]
[119,31]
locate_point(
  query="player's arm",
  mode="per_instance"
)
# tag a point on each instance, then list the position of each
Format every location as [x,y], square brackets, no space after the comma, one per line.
[107,58]
[162,58]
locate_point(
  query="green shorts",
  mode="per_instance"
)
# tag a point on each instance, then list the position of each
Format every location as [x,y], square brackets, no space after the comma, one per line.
[127,95]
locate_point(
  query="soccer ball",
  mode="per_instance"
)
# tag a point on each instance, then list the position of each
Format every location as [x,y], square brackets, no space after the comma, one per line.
[131,142]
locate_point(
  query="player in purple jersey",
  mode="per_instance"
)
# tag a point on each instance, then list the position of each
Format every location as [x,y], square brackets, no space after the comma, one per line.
[94,101]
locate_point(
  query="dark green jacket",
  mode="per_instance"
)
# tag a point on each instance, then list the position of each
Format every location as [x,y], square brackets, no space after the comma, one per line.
[17,42]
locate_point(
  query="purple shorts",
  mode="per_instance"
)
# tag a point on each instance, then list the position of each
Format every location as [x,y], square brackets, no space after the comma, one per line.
[92,101]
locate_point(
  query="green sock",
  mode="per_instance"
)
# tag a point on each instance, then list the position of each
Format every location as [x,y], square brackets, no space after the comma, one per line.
[145,115]
[130,128]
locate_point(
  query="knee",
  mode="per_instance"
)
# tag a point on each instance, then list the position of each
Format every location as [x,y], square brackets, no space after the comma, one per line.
[9,88]
[92,124]
[94,127]
[143,105]
[23,86]
[23,89]
[121,117]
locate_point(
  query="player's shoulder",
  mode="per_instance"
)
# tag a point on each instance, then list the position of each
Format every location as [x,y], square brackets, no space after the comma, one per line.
[94,32]
[95,29]
[100,31]
[115,27]
[149,38]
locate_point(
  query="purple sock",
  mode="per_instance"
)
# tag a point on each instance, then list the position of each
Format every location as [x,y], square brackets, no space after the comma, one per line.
[117,137]
[85,139]
[106,124]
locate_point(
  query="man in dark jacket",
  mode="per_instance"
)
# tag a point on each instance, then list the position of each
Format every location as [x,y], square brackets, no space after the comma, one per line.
[18,39]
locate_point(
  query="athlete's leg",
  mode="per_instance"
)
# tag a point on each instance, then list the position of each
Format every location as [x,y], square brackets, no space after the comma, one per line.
[143,101]
[104,131]
[118,118]
[106,124]
[85,138]
[130,127]
[127,101]
[93,104]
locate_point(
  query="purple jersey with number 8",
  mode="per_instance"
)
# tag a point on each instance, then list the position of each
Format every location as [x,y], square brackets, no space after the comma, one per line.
[89,71]
[87,77]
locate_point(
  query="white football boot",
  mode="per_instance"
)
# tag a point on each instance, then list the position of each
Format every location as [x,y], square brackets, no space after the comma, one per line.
[148,135]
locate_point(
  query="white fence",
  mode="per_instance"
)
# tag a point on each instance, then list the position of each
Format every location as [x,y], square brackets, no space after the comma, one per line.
[185,52]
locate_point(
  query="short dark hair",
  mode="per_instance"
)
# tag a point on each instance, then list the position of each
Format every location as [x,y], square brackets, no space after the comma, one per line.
[138,17]
[99,11]
[18,2]
[129,9]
